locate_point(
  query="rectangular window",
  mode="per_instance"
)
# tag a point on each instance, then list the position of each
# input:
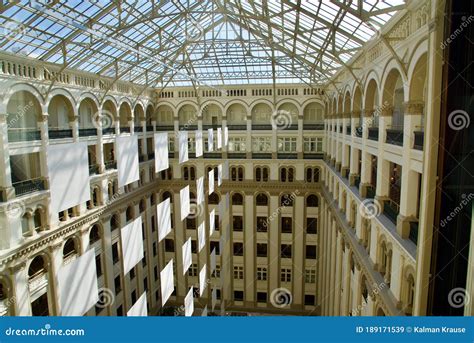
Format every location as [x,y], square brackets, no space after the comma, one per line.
[261,144]
[154,249]
[262,249]
[285,251]
[132,273]
[237,144]
[262,224]
[214,245]
[309,299]
[117,284]
[287,144]
[285,275]
[261,297]
[311,225]
[261,273]
[286,224]
[238,295]
[238,249]
[115,253]
[191,144]
[171,144]
[237,223]
[169,245]
[193,270]
[310,276]
[238,272]
[313,144]
[311,252]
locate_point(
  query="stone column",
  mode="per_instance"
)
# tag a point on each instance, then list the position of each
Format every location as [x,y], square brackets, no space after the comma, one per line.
[55,264]
[6,189]
[249,250]
[21,293]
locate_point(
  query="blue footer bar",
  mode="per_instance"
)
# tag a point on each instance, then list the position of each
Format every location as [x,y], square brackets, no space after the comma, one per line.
[237,329]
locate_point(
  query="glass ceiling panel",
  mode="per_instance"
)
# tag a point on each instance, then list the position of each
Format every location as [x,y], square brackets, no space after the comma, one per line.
[181,42]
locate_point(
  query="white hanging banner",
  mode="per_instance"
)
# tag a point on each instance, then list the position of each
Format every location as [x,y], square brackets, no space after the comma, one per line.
[68,170]
[132,244]
[183,146]
[219,174]
[167,282]
[139,309]
[202,280]
[226,136]
[199,145]
[163,211]
[189,303]
[127,159]
[210,140]
[200,190]
[212,222]
[187,255]
[204,312]
[161,151]
[219,138]
[213,260]
[213,298]
[184,202]
[77,283]
[201,236]
[211,181]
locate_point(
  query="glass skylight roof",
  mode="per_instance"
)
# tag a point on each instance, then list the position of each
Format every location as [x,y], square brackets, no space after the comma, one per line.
[183,42]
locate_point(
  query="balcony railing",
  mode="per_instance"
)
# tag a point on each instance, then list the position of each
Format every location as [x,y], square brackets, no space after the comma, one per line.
[87,132]
[149,128]
[419,140]
[237,155]
[124,129]
[395,137]
[108,131]
[313,156]
[287,155]
[29,186]
[358,131]
[357,181]
[187,127]
[413,235]
[370,192]
[23,135]
[373,133]
[138,128]
[59,134]
[290,127]
[93,169]
[210,126]
[262,127]
[110,165]
[261,155]
[319,126]
[235,127]
[391,210]
[164,127]
[212,155]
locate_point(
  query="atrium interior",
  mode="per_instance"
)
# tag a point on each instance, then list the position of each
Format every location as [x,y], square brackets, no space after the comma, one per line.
[236,157]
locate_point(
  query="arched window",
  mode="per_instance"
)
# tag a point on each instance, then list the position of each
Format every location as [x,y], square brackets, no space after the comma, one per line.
[94,234]
[283,174]
[192,173]
[142,205]
[262,199]
[258,174]
[312,201]
[167,195]
[115,222]
[237,199]
[309,175]
[96,197]
[286,200]
[409,294]
[69,248]
[213,199]
[37,267]
[129,213]
[38,219]
[185,173]
[291,173]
